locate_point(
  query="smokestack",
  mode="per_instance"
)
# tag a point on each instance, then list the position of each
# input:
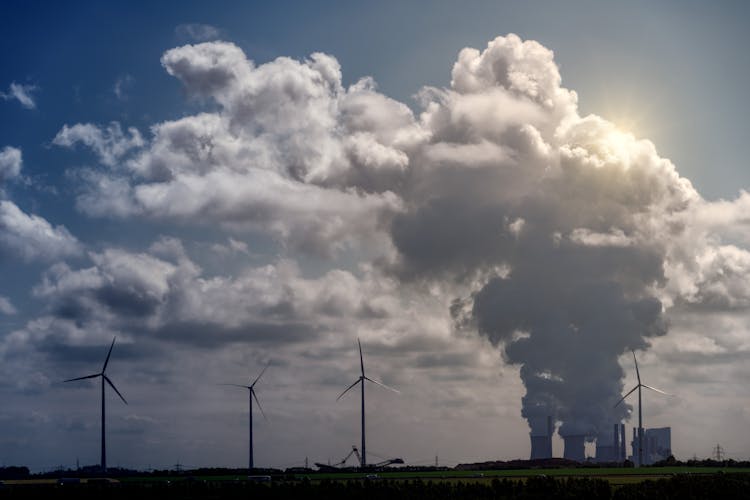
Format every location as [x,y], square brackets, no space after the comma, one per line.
[623,452]
[549,431]
[541,444]
[575,448]
[616,444]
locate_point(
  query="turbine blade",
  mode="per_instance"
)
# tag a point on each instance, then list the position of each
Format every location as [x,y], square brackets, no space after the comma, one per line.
[252,391]
[381,384]
[83,378]
[108,355]
[637,373]
[347,389]
[237,385]
[115,388]
[626,395]
[657,390]
[261,374]
[361,359]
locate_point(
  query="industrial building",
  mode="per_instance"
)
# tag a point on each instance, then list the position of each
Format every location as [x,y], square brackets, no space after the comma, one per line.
[657,445]
[610,447]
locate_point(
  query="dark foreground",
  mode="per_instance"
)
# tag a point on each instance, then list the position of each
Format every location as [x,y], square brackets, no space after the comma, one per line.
[720,486]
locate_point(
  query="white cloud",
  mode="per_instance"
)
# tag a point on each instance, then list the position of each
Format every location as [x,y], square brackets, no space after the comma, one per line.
[109,144]
[32,237]
[21,93]
[6,307]
[10,163]
[197,32]
[273,158]
[122,85]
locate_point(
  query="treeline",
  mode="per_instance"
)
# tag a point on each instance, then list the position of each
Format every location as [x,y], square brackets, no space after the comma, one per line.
[707,462]
[14,472]
[688,487]
[724,486]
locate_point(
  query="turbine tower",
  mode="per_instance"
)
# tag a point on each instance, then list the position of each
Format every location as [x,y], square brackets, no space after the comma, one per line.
[361,380]
[640,408]
[106,379]
[250,395]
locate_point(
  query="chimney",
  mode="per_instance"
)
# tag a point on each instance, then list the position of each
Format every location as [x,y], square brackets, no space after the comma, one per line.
[623,452]
[616,444]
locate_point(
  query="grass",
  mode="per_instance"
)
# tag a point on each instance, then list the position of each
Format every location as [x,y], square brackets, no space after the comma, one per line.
[640,473]
[616,476]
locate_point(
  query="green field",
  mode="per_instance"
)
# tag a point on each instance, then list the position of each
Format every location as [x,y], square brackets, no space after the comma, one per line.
[614,472]
[615,476]
[653,483]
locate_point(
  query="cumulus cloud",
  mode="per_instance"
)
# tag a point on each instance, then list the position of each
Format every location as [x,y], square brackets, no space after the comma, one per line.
[10,163]
[31,237]
[109,144]
[164,292]
[22,93]
[274,157]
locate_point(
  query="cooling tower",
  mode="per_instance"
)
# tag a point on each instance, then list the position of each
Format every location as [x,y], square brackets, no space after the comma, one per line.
[541,443]
[575,448]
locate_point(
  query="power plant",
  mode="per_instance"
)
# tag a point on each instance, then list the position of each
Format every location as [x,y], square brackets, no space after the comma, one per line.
[657,445]
[612,449]
[638,434]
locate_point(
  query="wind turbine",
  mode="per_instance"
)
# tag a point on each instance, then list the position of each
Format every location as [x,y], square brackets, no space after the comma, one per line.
[361,380]
[250,395]
[640,408]
[106,379]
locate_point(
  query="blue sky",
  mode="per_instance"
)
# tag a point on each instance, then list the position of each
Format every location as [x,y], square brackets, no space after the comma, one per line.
[399,224]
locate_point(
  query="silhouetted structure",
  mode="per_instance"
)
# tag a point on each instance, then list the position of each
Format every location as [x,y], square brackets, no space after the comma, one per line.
[657,444]
[611,448]
[639,433]
[361,380]
[250,396]
[107,380]
[575,447]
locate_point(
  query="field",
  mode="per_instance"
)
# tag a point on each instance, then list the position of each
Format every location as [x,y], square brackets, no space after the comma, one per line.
[615,475]
[594,484]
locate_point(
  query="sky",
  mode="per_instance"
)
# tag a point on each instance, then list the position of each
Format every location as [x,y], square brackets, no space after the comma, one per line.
[500,199]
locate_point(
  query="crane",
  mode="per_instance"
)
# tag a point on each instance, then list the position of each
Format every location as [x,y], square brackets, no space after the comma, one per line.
[355,452]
